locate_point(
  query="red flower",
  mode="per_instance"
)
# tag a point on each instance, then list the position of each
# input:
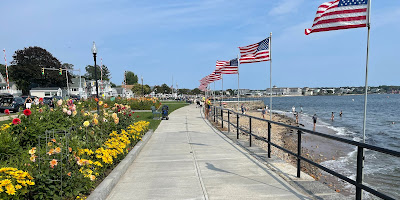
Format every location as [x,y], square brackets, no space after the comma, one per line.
[96,99]
[130,115]
[7,112]
[124,113]
[27,112]
[133,112]
[137,116]
[40,99]
[16,121]
[119,110]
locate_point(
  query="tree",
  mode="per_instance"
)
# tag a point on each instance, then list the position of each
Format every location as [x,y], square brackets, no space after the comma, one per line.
[137,89]
[68,66]
[183,91]
[196,91]
[131,78]
[26,69]
[231,92]
[90,73]
[3,72]
[164,88]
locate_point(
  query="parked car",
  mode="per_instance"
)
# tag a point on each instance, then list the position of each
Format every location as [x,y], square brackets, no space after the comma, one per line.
[75,97]
[8,101]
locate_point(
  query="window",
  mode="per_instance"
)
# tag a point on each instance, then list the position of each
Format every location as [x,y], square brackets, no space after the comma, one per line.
[47,93]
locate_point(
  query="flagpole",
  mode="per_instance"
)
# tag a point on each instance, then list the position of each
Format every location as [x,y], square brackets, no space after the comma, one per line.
[238,94]
[270,76]
[214,93]
[359,180]
[222,78]
[366,72]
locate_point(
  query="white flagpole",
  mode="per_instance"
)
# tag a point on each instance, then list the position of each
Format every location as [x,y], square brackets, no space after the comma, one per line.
[270,76]
[222,78]
[359,192]
[238,94]
[366,71]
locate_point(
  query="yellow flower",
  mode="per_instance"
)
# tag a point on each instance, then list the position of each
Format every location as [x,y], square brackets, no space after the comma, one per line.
[18,187]
[100,103]
[86,123]
[32,151]
[30,182]
[10,189]
[95,115]
[116,120]
[74,113]
[95,121]
[50,144]
[92,177]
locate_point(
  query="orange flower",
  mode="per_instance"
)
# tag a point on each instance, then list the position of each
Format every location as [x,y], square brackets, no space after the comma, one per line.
[33,158]
[92,177]
[53,140]
[53,163]
[69,149]
[51,152]
[69,174]
[57,150]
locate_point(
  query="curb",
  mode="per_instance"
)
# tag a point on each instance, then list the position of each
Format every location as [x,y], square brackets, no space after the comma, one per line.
[103,190]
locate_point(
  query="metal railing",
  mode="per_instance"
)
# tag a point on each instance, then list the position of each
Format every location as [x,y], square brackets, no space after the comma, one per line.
[217,114]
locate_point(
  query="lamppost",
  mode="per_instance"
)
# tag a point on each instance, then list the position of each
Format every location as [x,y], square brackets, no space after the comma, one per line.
[142,87]
[94,51]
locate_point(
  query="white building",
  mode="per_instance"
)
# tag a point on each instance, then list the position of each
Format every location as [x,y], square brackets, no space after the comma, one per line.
[46,92]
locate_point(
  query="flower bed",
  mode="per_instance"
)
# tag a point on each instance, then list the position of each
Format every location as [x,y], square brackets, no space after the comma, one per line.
[69,161]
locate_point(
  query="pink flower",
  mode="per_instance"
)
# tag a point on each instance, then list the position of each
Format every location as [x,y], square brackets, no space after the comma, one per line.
[69,112]
[59,102]
[16,121]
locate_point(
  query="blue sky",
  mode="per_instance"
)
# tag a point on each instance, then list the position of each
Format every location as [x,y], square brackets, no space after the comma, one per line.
[158,39]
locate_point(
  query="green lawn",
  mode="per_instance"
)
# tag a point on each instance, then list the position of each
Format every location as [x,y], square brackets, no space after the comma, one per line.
[148,116]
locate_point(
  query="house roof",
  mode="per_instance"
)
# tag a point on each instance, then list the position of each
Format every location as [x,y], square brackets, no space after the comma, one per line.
[49,88]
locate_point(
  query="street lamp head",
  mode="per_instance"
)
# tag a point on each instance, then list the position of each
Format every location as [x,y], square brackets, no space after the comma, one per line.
[94,49]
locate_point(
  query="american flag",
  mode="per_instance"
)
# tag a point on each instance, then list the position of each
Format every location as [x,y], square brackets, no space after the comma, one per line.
[213,77]
[257,52]
[230,67]
[219,65]
[340,14]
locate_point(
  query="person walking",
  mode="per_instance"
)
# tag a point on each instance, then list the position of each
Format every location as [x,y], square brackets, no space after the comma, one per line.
[263,112]
[314,120]
[243,109]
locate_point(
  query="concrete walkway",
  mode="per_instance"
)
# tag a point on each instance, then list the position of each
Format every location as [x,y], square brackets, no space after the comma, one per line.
[187,159]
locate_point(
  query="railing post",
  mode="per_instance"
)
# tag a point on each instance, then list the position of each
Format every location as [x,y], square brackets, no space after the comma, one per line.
[360,157]
[269,140]
[214,113]
[250,131]
[298,152]
[222,118]
[237,126]
[229,123]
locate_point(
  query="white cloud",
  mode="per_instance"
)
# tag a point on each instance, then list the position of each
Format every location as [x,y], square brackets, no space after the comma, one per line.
[286,6]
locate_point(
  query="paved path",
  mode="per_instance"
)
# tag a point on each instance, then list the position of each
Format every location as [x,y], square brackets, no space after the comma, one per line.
[186,159]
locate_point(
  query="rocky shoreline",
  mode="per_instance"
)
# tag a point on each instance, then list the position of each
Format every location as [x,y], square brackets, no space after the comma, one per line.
[314,148]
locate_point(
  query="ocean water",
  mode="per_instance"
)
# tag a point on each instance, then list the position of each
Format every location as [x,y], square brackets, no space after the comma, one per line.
[381,171]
